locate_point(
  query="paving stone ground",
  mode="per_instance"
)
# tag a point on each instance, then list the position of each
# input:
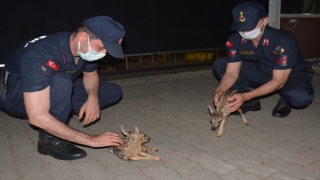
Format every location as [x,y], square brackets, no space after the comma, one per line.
[172,110]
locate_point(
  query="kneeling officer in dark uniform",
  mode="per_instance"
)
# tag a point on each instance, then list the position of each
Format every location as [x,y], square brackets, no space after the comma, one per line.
[265,58]
[43,85]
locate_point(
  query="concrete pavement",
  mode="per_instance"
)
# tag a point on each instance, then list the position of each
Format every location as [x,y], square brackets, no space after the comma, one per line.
[172,110]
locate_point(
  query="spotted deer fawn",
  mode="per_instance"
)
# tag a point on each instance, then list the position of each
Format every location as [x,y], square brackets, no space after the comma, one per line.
[220,115]
[134,147]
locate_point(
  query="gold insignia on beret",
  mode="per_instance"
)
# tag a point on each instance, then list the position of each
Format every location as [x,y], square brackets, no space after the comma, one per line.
[242,18]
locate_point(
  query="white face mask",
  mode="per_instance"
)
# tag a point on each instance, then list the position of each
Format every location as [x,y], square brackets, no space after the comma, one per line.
[91,55]
[251,35]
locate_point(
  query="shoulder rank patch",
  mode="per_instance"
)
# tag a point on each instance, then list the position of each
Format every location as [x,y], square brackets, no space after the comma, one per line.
[280,60]
[246,52]
[53,65]
[278,50]
[231,53]
[229,44]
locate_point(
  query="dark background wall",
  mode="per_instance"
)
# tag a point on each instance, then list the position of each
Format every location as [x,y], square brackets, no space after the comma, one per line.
[307,34]
[151,25]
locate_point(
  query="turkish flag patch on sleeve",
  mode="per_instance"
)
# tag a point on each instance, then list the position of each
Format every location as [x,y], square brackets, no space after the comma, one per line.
[229,44]
[53,65]
[280,60]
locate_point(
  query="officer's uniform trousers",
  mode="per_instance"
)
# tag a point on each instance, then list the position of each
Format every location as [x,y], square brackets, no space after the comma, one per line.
[65,96]
[297,91]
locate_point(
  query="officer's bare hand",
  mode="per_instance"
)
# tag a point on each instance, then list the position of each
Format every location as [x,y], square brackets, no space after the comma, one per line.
[106,139]
[91,110]
[238,99]
[217,94]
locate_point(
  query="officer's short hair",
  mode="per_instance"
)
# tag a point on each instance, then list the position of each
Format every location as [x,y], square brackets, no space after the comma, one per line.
[83,28]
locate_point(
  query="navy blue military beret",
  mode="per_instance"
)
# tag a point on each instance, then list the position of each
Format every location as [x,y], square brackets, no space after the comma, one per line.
[109,32]
[246,16]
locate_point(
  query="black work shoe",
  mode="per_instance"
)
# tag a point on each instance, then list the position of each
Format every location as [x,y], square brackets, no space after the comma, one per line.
[251,105]
[282,109]
[58,148]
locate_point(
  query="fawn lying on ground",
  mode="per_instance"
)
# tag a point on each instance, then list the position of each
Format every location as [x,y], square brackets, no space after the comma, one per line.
[133,147]
[220,115]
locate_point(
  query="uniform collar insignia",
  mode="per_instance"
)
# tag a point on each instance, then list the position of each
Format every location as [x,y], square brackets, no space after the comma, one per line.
[265,42]
[243,41]
[66,59]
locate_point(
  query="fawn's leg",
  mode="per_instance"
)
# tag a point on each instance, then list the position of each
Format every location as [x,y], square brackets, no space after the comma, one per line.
[145,148]
[137,158]
[243,118]
[222,126]
[146,155]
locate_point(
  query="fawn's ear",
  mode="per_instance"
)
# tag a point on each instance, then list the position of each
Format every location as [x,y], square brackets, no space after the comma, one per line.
[136,130]
[211,109]
[124,130]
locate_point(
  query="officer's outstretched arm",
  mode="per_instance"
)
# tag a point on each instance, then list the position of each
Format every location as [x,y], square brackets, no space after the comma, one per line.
[91,83]
[279,78]
[38,105]
[228,79]
[91,107]
[230,76]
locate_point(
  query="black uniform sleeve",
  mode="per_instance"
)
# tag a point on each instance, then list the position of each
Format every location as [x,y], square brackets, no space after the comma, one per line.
[285,53]
[36,71]
[232,49]
[90,67]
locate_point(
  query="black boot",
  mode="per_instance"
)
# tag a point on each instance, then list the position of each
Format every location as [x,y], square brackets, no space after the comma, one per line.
[282,109]
[251,105]
[58,148]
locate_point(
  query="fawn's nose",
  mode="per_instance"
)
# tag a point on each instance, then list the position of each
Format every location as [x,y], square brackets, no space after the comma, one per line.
[213,128]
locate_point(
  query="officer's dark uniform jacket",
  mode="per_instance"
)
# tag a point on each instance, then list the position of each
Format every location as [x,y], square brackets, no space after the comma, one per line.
[38,60]
[45,61]
[276,50]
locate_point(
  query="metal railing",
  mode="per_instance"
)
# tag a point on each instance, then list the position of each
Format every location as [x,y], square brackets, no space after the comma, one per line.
[159,60]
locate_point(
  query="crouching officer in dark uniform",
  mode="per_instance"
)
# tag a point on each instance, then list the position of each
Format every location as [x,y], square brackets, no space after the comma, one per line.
[265,58]
[43,85]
